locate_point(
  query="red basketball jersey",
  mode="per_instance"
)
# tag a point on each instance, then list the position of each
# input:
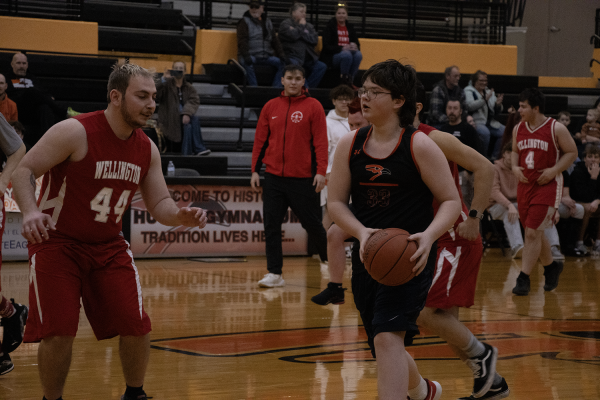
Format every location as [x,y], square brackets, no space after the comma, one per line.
[538,150]
[450,236]
[87,198]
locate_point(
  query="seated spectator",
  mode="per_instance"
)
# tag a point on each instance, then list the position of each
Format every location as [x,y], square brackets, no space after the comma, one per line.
[503,206]
[299,39]
[468,136]
[443,91]
[571,214]
[178,103]
[258,44]
[341,48]
[337,126]
[484,105]
[356,119]
[588,133]
[470,120]
[8,108]
[18,127]
[584,189]
[564,117]
[37,109]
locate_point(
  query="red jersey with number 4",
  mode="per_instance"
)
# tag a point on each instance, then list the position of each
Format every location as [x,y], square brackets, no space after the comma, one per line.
[538,150]
[87,198]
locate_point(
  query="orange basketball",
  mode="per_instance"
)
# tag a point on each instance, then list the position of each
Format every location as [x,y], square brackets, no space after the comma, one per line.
[387,256]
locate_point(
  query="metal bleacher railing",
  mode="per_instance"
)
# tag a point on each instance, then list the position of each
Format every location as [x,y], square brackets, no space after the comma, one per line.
[463,21]
[53,9]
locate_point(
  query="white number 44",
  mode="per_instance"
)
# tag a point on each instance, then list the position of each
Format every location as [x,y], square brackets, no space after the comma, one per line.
[101,204]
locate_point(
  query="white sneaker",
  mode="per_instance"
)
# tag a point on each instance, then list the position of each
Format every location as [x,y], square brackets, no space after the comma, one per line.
[271,280]
[556,254]
[582,248]
[596,250]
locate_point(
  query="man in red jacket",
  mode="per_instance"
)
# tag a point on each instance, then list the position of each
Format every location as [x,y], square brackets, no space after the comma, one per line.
[291,140]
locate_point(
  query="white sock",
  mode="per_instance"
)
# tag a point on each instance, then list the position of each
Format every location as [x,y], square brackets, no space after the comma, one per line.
[474,348]
[420,392]
[579,243]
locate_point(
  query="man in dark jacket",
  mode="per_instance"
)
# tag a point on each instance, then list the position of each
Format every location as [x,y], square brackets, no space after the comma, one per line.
[291,140]
[258,44]
[341,48]
[178,103]
[299,39]
[443,91]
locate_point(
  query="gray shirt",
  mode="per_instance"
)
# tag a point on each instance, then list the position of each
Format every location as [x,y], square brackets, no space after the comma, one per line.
[9,140]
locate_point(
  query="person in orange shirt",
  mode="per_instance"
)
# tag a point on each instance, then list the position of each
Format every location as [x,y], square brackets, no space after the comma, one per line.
[8,108]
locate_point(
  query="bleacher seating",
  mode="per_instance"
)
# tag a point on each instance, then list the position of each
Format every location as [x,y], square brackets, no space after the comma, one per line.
[132,15]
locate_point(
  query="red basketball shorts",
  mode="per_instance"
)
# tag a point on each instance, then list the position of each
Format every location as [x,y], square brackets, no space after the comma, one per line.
[455,276]
[103,275]
[536,216]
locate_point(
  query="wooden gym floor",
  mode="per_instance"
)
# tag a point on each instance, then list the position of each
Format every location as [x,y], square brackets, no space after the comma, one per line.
[216,335]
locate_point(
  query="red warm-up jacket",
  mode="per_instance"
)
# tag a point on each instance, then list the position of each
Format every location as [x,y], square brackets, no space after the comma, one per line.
[291,137]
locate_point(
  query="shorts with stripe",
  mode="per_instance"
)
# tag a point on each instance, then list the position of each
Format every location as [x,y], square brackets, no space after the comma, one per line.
[455,277]
[103,275]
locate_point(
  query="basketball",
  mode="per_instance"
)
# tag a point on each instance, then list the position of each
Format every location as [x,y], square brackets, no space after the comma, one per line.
[387,257]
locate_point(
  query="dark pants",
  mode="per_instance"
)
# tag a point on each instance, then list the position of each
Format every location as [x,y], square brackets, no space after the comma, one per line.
[299,195]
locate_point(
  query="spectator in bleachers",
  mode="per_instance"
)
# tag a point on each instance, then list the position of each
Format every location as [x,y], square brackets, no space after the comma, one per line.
[341,48]
[468,136]
[564,117]
[588,133]
[8,108]
[291,140]
[337,126]
[299,39]
[37,108]
[443,91]
[484,105]
[470,120]
[571,215]
[356,119]
[177,119]
[258,44]
[585,190]
[503,206]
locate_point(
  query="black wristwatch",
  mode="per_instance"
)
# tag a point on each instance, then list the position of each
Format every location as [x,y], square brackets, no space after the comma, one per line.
[475,214]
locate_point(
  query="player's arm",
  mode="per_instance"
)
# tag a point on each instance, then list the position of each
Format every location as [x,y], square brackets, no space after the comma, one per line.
[159,202]
[514,159]
[567,147]
[338,194]
[483,174]
[11,164]
[436,175]
[64,141]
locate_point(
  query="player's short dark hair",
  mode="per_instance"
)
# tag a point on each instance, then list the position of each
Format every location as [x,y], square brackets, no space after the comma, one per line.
[355,106]
[534,97]
[293,68]
[121,74]
[592,149]
[341,91]
[400,80]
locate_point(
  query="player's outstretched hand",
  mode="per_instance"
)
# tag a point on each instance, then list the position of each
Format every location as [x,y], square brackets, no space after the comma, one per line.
[364,237]
[469,229]
[518,171]
[36,226]
[547,175]
[192,217]
[424,243]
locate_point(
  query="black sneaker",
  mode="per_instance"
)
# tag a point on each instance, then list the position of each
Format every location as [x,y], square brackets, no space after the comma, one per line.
[333,294]
[140,397]
[484,370]
[496,392]
[523,286]
[6,364]
[14,327]
[552,272]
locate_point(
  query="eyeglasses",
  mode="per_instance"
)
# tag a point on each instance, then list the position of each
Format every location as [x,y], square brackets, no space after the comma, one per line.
[370,93]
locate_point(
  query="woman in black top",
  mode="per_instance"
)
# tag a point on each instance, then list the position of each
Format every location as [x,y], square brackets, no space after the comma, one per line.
[393,173]
[341,48]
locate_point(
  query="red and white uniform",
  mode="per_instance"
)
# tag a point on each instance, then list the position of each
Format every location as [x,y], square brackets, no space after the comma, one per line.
[87,255]
[538,150]
[458,259]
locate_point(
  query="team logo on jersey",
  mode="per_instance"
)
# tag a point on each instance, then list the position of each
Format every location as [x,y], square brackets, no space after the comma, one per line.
[378,170]
[297,117]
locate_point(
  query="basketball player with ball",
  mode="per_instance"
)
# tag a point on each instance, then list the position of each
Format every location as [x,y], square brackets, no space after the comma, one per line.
[393,173]
[459,253]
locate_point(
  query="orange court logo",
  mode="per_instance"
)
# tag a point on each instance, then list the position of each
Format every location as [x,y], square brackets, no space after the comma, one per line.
[378,170]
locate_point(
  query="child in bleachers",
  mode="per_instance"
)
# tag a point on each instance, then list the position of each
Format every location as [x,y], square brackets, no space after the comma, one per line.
[589,132]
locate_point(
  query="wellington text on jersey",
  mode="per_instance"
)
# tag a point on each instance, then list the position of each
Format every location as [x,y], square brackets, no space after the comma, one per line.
[118,170]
